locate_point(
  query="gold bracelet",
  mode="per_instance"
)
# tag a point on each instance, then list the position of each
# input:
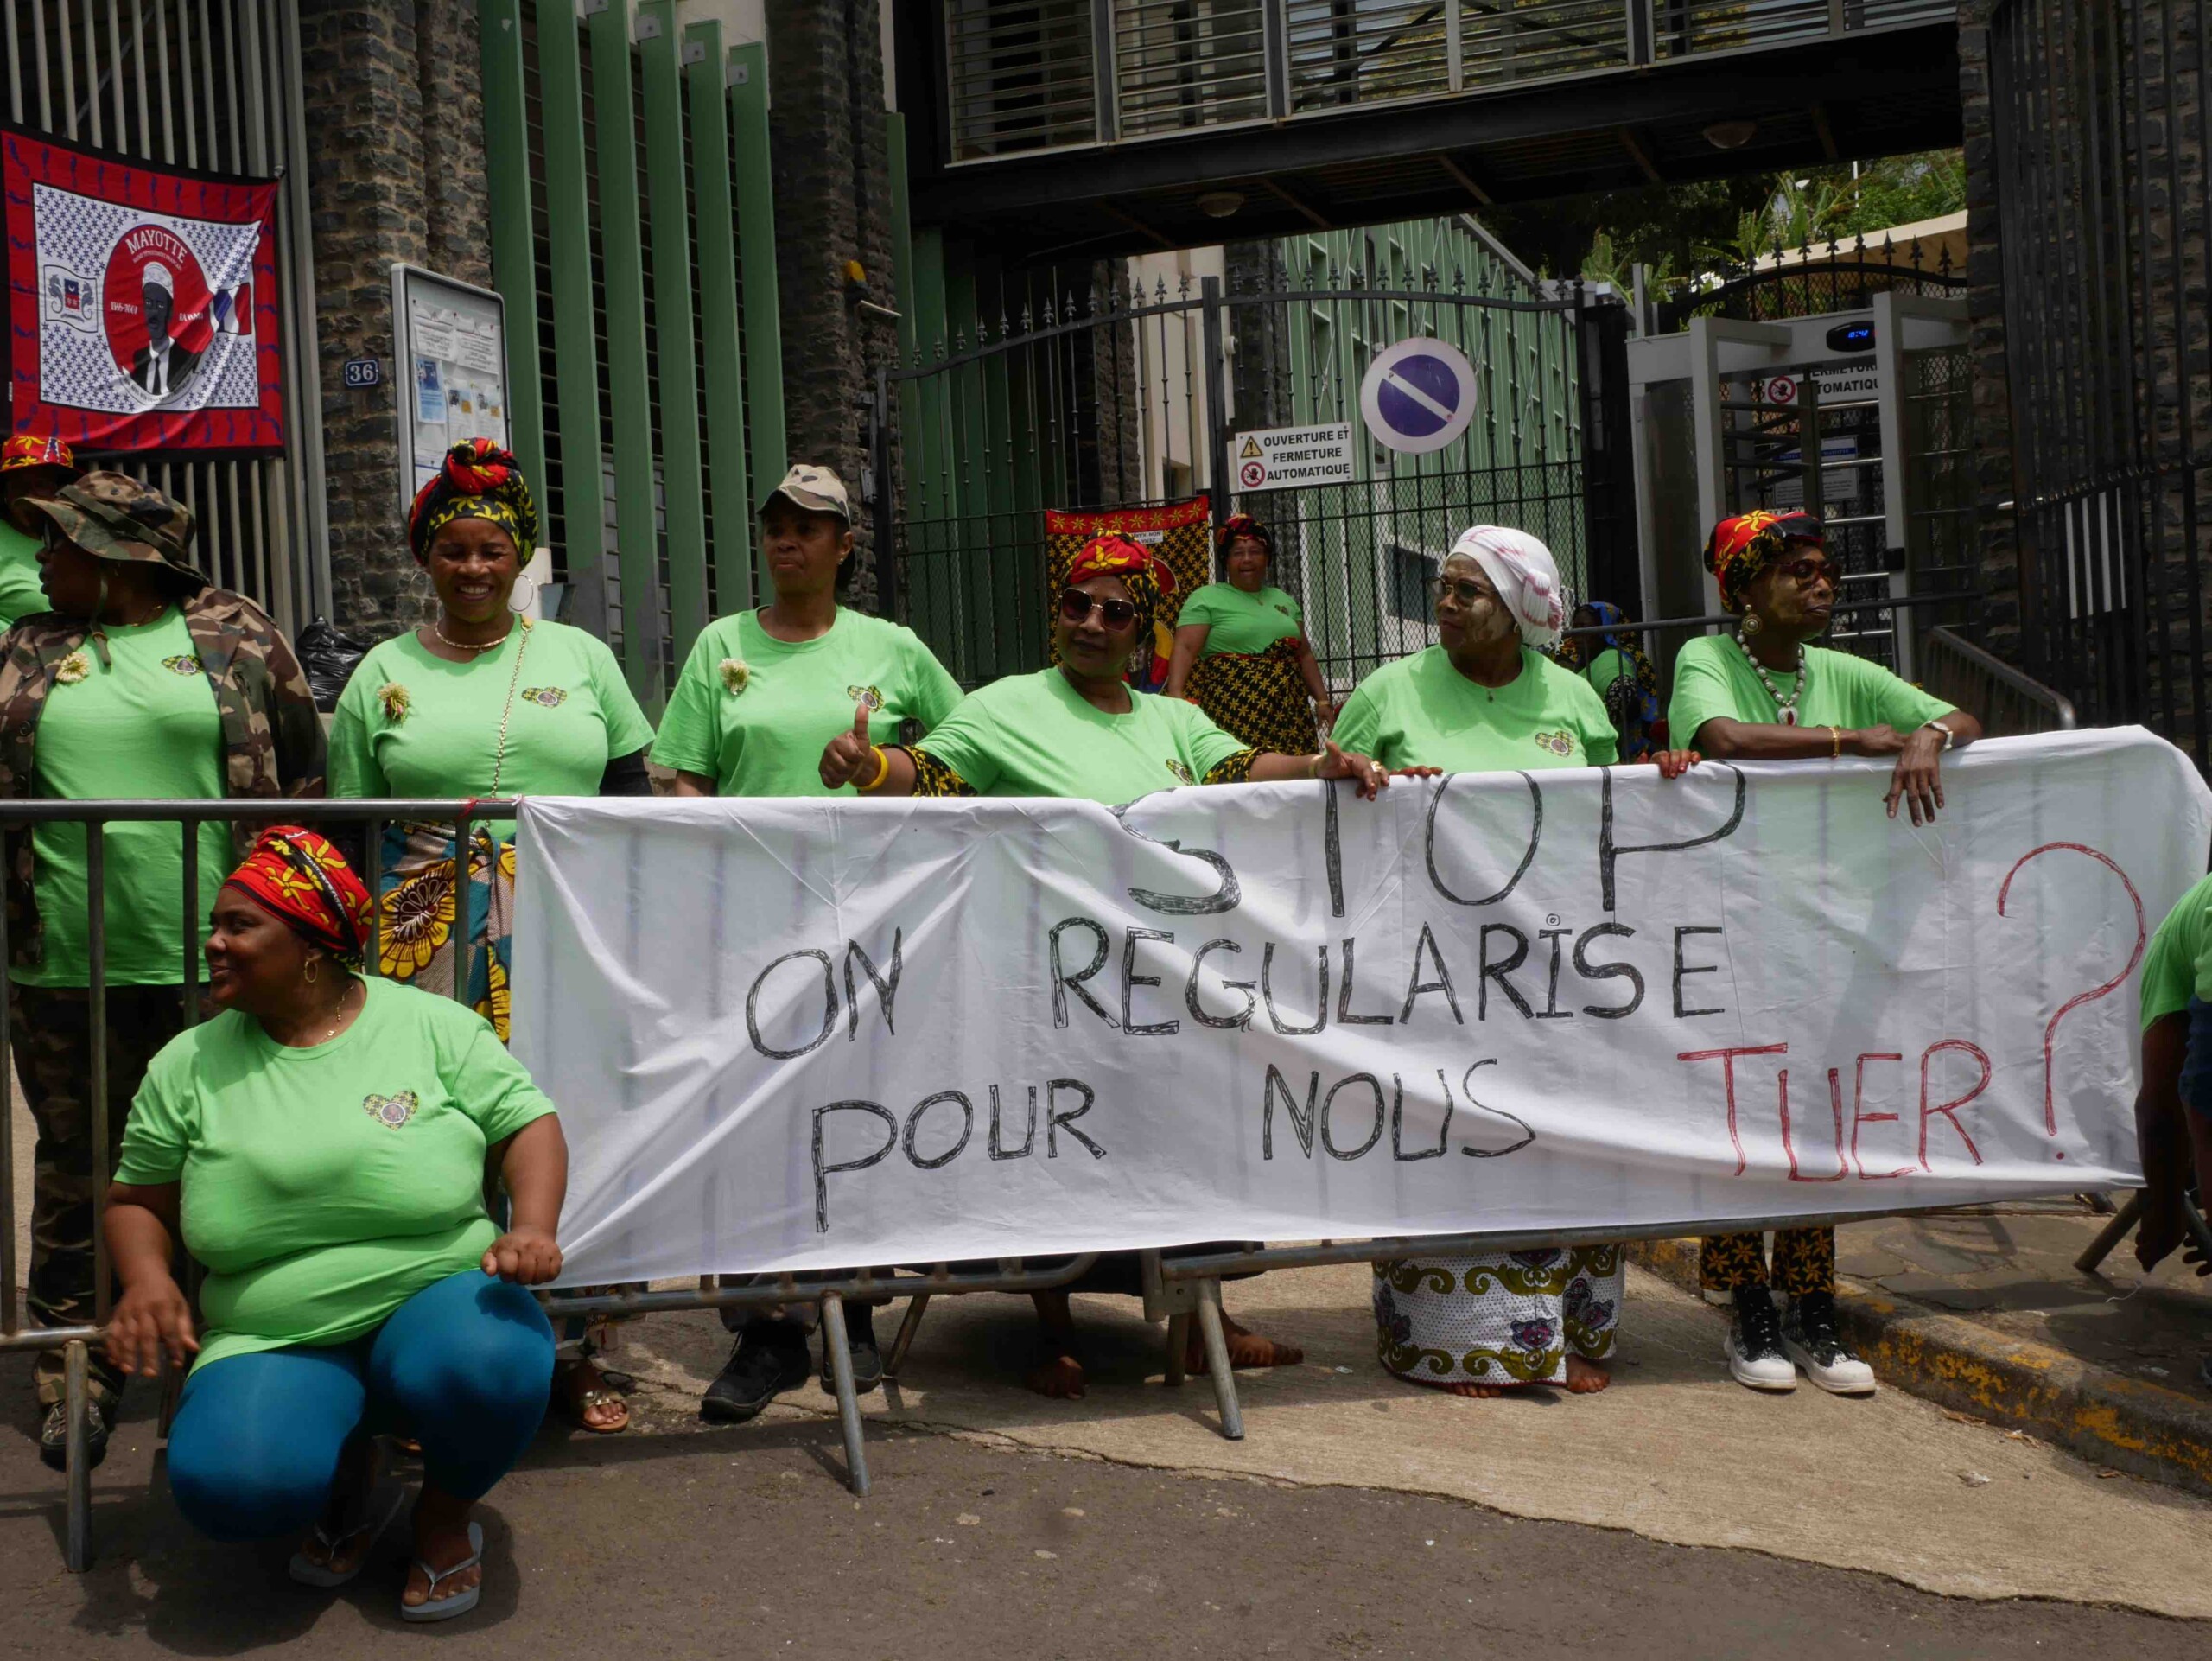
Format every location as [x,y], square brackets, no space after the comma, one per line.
[1835,739]
[1314,763]
[882,767]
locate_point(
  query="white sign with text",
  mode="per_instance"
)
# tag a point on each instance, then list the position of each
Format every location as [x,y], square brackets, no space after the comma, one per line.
[797,1033]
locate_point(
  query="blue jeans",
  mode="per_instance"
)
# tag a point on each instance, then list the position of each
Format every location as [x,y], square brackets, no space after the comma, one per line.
[464,1366]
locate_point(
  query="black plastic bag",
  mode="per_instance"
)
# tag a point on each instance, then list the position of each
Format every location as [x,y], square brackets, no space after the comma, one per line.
[329,659]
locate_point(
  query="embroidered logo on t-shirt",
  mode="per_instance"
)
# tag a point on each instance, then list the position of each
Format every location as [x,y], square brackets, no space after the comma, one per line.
[873,696]
[183,663]
[549,697]
[1182,773]
[394,1110]
[1559,743]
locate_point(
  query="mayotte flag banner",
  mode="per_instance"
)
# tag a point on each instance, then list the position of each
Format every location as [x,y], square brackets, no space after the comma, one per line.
[141,303]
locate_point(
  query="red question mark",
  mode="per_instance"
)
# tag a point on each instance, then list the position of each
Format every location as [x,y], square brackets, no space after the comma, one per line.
[2142,936]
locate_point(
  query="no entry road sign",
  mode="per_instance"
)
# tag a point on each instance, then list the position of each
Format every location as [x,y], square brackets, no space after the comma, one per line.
[1418,395]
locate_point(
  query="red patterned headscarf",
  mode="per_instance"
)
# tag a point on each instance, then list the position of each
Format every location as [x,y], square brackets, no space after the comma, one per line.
[298,876]
[477,480]
[1239,526]
[1739,548]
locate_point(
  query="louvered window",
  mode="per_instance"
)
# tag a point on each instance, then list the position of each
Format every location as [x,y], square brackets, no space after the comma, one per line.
[1021,75]
[1188,63]
[1345,52]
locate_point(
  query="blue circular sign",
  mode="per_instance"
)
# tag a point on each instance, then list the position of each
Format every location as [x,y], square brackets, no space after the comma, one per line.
[1418,395]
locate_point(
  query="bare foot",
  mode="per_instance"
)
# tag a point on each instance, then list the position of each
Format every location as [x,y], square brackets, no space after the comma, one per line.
[347,1523]
[440,1540]
[1587,1378]
[582,1391]
[1060,1378]
[1246,1348]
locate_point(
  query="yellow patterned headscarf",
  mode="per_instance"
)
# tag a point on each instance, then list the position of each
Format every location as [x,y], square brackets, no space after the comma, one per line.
[477,480]
[1739,548]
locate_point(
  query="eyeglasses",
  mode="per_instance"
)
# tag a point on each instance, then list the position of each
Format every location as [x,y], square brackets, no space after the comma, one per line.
[1076,606]
[1468,592]
[1806,571]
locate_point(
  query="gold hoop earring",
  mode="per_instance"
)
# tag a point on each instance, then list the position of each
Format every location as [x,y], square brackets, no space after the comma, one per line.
[313,972]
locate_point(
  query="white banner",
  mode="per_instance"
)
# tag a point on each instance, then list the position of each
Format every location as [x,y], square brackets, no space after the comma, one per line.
[808,1035]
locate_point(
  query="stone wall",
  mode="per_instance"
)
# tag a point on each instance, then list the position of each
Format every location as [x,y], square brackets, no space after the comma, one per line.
[1999,616]
[827,142]
[395,129]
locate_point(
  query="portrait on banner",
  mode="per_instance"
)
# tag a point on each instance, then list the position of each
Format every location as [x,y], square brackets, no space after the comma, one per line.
[148,293]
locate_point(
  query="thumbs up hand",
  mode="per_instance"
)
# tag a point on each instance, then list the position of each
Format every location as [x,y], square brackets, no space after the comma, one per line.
[850,756]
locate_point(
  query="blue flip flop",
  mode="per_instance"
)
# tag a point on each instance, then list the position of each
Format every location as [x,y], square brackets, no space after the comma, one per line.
[438,1609]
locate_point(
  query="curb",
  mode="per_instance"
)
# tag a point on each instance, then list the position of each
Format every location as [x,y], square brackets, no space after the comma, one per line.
[2145,1429]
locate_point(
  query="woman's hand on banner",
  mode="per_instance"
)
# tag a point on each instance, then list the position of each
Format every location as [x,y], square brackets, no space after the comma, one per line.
[1335,762]
[1673,764]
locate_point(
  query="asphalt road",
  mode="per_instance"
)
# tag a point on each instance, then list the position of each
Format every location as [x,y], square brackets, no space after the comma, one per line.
[683,1542]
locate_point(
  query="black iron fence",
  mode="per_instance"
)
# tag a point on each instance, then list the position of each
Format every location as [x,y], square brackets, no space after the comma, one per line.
[1128,399]
[2101,108]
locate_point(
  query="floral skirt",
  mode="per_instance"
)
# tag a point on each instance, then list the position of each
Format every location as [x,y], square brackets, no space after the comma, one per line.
[1508,1318]
[1259,696]
[420,921]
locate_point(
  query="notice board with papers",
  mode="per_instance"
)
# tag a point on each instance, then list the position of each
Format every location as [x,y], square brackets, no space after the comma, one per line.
[449,341]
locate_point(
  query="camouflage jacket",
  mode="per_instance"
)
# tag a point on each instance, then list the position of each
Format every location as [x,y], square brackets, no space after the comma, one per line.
[272,736]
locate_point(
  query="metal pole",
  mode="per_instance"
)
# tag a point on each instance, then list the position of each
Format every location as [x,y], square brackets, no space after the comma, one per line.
[77,1543]
[1216,397]
[96,955]
[916,1306]
[1225,1378]
[885,517]
[840,1358]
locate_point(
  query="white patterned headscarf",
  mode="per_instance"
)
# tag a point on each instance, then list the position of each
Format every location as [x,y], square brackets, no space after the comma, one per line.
[1526,577]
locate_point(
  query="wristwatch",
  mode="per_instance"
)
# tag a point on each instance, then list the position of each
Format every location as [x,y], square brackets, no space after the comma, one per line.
[1949,737]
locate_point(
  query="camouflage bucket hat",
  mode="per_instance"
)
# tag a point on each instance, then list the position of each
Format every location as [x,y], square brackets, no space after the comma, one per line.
[112,516]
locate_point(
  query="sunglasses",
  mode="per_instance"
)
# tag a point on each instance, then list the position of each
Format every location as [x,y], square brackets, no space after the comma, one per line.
[1806,571]
[1076,606]
[1466,591]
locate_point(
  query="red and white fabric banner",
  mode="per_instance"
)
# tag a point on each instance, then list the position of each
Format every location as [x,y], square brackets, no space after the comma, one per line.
[142,302]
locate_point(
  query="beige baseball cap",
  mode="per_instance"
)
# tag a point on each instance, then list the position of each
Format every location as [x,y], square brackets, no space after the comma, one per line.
[818,490]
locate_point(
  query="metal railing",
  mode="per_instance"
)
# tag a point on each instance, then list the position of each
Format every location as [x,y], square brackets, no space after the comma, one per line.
[1068,75]
[2005,700]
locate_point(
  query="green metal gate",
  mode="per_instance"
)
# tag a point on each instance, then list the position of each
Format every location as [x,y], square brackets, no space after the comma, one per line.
[634,240]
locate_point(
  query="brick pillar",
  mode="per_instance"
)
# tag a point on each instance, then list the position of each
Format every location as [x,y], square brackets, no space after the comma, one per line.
[826,133]
[395,132]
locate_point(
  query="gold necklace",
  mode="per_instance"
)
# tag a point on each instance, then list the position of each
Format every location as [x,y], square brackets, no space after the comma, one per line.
[470,645]
[330,1028]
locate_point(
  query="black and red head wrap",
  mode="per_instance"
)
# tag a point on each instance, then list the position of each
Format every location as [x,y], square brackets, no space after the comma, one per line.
[296,875]
[1149,579]
[1739,548]
[476,480]
[1238,527]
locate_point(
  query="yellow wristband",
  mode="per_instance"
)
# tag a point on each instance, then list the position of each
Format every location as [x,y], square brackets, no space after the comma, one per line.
[882,766]
[1836,740]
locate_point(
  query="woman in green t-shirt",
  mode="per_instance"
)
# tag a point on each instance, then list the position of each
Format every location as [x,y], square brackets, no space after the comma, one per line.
[1241,653]
[1076,730]
[1618,670]
[761,694]
[2173,1105]
[481,702]
[1488,697]
[1765,695]
[320,1146]
[138,678]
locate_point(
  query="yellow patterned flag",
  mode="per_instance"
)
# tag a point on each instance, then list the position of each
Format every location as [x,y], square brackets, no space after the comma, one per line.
[1181,533]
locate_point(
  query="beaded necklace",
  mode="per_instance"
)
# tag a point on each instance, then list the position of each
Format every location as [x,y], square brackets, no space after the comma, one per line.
[1786,706]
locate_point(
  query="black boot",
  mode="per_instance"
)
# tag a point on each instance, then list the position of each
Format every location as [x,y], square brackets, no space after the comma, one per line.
[768,1359]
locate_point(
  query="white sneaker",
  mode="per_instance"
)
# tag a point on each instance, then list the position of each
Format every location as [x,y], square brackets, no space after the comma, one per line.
[1808,1336]
[1754,1344]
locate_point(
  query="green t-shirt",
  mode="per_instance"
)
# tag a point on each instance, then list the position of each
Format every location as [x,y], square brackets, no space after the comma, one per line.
[2179,964]
[1713,679]
[1240,621]
[1607,667]
[1035,735]
[21,595]
[572,712]
[765,735]
[1419,711]
[144,724]
[323,1188]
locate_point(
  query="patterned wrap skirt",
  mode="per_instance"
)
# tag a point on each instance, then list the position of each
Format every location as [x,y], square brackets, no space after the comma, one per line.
[1507,1317]
[1259,696]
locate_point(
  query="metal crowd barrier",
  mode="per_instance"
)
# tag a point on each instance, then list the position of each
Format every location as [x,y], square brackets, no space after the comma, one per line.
[1183,1287]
